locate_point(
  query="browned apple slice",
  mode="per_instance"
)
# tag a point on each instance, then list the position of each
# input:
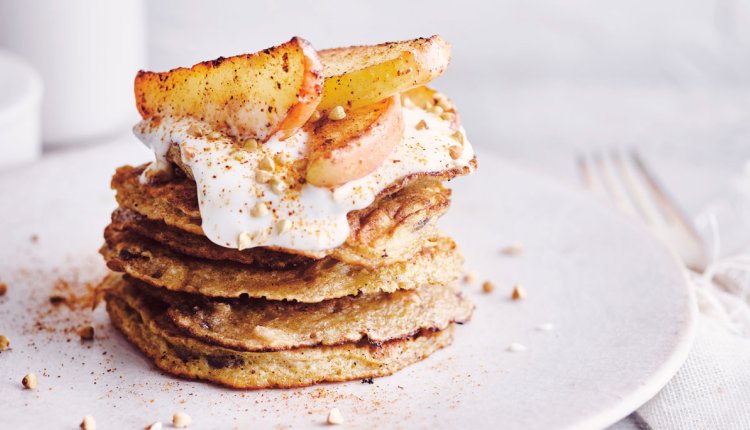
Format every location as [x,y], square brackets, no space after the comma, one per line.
[361,75]
[247,96]
[347,149]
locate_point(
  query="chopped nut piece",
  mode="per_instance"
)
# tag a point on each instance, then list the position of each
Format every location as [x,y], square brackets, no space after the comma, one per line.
[277,185]
[4,343]
[29,381]
[513,249]
[195,130]
[86,332]
[459,137]
[448,116]
[250,145]
[455,151]
[488,287]
[259,210]
[439,97]
[244,241]
[516,347]
[300,165]
[407,102]
[189,153]
[437,110]
[155,426]
[266,164]
[519,292]
[337,113]
[3,288]
[88,423]
[335,417]
[181,419]
[283,226]
[262,177]
[214,135]
[315,116]
[422,125]
[443,102]
[470,278]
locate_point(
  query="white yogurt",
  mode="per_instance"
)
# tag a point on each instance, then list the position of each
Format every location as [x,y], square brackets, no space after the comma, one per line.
[300,217]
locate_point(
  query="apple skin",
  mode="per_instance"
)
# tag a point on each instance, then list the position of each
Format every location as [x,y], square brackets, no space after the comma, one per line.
[308,97]
[349,149]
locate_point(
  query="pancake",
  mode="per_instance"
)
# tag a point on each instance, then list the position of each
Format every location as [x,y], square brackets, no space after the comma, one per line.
[148,261]
[390,230]
[264,325]
[143,321]
[199,246]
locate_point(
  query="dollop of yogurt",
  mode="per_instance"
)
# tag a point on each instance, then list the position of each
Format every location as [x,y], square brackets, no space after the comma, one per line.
[254,196]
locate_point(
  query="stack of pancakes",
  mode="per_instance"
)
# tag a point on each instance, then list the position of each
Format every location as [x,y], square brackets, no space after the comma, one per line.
[260,317]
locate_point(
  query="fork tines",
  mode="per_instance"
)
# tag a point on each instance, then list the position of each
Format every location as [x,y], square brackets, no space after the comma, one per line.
[624,179]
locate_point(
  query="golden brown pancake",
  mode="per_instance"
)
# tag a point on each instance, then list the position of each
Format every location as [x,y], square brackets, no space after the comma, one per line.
[143,259]
[199,246]
[265,325]
[142,319]
[390,230]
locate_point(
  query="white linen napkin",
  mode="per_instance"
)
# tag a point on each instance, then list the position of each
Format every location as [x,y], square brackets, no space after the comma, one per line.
[712,389]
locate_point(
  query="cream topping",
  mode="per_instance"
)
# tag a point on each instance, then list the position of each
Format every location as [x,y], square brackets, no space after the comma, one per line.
[241,208]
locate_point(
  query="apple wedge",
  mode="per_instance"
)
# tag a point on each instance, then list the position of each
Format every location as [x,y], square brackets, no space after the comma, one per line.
[247,96]
[343,150]
[361,75]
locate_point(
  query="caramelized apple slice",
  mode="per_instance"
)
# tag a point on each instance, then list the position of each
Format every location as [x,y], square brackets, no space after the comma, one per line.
[252,95]
[361,75]
[344,150]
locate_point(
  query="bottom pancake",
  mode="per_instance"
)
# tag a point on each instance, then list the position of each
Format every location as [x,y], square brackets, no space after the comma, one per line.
[145,323]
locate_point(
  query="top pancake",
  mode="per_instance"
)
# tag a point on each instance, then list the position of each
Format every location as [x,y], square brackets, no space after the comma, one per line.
[390,230]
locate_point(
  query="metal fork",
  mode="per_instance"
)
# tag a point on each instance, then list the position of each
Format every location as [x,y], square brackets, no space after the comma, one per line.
[624,179]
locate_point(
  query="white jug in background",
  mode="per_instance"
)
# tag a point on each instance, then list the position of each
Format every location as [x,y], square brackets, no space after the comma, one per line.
[87,52]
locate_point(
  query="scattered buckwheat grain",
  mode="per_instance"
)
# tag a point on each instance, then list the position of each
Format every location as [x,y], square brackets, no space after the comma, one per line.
[86,332]
[519,292]
[488,287]
[181,419]
[88,423]
[335,417]
[29,381]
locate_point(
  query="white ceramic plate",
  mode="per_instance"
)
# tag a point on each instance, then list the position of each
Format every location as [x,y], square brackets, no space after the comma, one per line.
[622,310]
